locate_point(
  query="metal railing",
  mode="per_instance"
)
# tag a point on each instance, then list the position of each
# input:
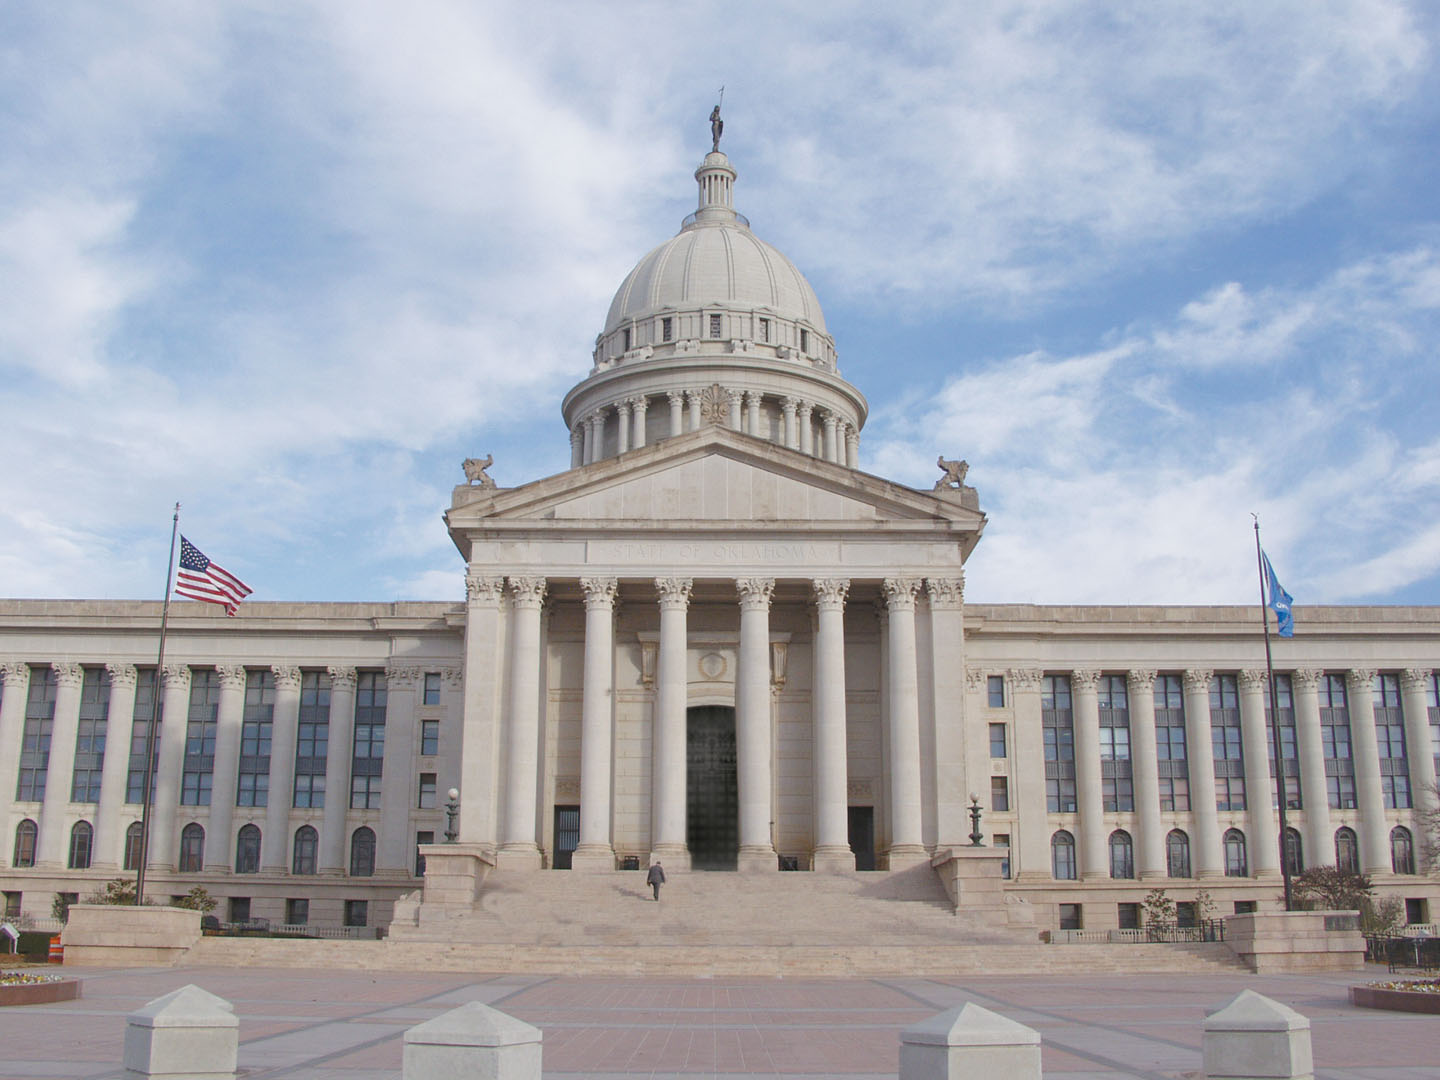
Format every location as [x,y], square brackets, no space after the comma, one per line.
[1165,933]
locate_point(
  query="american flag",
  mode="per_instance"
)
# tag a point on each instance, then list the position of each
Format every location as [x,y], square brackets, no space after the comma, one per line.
[201,579]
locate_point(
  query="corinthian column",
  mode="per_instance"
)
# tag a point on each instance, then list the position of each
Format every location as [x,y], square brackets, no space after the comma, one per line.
[597,727]
[219,839]
[1088,800]
[480,744]
[639,406]
[175,704]
[577,446]
[1314,796]
[694,403]
[16,677]
[110,814]
[1209,860]
[1032,853]
[522,762]
[1150,848]
[735,400]
[787,409]
[622,426]
[667,811]
[1374,829]
[752,413]
[676,401]
[337,770]
[852,446]
[832,796]
[285,724]
[831,422]
[752,724]
[69,679]
[807,430]
[1264,844]
[1421,755]
[907,845]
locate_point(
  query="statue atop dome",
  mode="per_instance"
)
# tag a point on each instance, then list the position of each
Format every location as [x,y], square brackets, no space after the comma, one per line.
[717,127]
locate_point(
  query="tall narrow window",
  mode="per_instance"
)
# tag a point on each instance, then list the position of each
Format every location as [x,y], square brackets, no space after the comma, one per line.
[90,736]
[1000,793]
[1335,739]
[1117,787]
[1177,854]
[303,858]
[997,740]
[1402,851]
[25,834]
[1236,862]
[429,738]
[1287,744]
[1347,851]
[368,753]
[1294,851]
[667,329]
[312,743]
[765,330]
[82,838]
[200,730]
[1390,738]
[247,850]
[192,849]
[1062,856]
[995,691]
[625,343]
[1172,764]
[427,791]
[253,783]
[804,341]
[35,739]
[714,326]
[1058,729]
[432,689]
[1122,855]
[1226,743]
[362,852]
[132,846]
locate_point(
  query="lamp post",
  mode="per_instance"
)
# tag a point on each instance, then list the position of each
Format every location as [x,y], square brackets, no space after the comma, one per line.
[452,811]
[976,837]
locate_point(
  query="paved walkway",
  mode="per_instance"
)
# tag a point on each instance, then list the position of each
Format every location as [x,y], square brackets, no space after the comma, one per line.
[318,1025]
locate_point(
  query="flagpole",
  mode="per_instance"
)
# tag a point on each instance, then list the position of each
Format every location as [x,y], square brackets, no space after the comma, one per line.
[155,719]
[1281,794]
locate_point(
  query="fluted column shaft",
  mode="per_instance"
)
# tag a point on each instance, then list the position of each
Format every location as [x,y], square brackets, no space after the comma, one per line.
[1209,859]
[830,420]
[752,413]
[12,726]
[752,725]
[852,447]
[667,824]
[903,686]
[284,728]
[832,827]
[175,704]
[1319,843]
[218,837]
[792,434]
[1418,751]
[807,430]
[110,823]
[735,400]
[1264,846]
[676,400]
[597,727]
[587,426]
[638,408]
[599,421]
[1374,830]
[337,770]
[694,400]
[1089,802]
[50,851]
[577,446]
[523,741]
[1150,844]
[622,427]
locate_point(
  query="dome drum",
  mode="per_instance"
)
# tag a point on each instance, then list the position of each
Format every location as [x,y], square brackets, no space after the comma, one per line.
[715,329]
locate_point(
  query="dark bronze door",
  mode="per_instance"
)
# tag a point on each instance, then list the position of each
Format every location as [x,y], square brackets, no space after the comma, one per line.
[711,794]
[862,836]
[567,835]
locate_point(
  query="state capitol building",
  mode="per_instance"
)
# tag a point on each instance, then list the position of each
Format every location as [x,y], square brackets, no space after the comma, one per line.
[713,641]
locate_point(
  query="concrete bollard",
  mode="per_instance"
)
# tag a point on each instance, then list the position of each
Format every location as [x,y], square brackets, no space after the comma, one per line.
[969,1042]
[189,1033]
[1254,1038]
[475,1042]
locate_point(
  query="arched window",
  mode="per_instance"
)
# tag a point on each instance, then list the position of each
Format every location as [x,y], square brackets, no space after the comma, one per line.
[1236,864]
[132,846]
[306,841]
[192,849]
[1177,854]
[1122,855]
[81,839]
[1347,851]
[25,834]
[247,850]
[1402,851]
[362,852]
[1294,852]
[1062,856]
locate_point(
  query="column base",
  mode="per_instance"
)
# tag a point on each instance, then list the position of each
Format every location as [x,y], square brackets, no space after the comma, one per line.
[593,859]
[833,859]
[518,857]
[757,860]
[906,856]
[674,856]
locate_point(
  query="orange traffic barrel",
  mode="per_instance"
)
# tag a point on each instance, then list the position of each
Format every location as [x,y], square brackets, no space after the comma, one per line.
[57,951]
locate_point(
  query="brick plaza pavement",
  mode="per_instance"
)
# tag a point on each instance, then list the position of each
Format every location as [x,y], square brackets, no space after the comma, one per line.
[319,1025]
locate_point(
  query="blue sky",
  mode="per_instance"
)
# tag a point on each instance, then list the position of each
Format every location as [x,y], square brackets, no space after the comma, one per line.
[1148,267]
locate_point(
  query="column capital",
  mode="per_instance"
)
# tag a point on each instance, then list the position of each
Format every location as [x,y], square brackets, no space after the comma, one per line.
[622,406]
[1357,679]
[1254,679]
[735,398]
[399,675]
[232,676]
[639,404]
[15,674]
[1415,679]
[484,588]
[287,676]
[830,593]
[752,397]
[599,593]
[805,408]
[1026,679]
[1084,679]
[946,592]
[1197,679]
[176,676]
[68,673]
[342,678]
[789,404]
[674,592]
[528,592]
[695,397]
[676,398]
[1306,678]
[1140,679]
[755,593]
[900,593]
[121,674]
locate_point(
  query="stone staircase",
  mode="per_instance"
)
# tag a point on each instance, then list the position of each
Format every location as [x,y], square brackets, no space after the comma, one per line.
[712,924]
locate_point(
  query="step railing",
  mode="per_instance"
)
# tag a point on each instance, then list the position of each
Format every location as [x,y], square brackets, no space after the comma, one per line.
[1160,933]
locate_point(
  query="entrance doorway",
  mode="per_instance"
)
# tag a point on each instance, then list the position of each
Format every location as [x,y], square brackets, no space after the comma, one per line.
[862,836]
[567,836]
[712,798]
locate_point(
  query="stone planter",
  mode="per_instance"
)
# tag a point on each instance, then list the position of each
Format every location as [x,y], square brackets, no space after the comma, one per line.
[41,993]
[1412,1001]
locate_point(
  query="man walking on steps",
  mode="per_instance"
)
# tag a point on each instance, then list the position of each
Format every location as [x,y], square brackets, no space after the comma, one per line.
[655,878]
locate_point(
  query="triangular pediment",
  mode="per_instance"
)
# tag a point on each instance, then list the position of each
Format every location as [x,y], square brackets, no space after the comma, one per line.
[710,477]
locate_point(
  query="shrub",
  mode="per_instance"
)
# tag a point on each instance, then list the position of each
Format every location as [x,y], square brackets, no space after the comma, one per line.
[1159,909]
[197,899]
[1332,889]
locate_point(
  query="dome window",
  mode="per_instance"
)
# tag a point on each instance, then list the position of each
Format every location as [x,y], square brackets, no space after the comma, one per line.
[765,330]
[667,329]
[627,339]
[804,341]
[714,326]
